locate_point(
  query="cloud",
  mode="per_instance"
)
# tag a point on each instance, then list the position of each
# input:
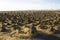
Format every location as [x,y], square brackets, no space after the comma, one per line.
[21,5]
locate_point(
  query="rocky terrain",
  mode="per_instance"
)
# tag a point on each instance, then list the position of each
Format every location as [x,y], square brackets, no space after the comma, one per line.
[29,25]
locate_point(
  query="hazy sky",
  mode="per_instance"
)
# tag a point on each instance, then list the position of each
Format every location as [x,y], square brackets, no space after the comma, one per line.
[29,4]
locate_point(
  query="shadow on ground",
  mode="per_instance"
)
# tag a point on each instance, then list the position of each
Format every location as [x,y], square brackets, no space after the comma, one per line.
[44,36]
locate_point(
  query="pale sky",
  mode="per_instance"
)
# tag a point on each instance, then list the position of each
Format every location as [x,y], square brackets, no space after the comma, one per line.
[29,5]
